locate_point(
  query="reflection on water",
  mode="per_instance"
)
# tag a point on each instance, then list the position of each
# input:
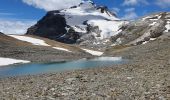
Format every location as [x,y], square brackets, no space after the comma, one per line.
[37,68]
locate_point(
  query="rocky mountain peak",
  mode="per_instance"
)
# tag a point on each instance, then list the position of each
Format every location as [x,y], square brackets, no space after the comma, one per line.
[89,24]
[87,4]
[69,25]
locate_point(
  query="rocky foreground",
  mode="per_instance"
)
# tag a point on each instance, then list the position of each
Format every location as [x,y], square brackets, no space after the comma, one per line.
[146,77]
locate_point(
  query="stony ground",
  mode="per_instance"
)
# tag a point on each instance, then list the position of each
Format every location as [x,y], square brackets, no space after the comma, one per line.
[146,77]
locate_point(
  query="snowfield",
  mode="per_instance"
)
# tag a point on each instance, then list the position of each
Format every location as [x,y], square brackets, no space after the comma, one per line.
[9,61]
[95,53]
[34,41]
[88,13]
[109,28]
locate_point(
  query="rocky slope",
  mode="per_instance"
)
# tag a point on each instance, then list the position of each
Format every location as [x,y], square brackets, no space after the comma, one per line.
[146,78]
[143,30]
[86,24]
[49,51]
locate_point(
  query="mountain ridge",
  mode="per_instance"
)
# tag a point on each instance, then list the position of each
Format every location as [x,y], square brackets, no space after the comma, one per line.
[96,27]
[69,25]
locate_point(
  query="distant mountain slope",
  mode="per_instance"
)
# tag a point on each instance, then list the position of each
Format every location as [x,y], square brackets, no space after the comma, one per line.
[95,26]
[33,48]
[84,24]
[144,29]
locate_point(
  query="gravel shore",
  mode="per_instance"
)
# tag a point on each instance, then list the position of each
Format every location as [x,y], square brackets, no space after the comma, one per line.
[146,77]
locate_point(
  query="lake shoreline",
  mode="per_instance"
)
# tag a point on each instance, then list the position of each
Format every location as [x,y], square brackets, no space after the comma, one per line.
[58,67]
[146,78]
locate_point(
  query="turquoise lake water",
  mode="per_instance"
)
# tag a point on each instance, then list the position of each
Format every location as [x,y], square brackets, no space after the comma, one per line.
[39,68]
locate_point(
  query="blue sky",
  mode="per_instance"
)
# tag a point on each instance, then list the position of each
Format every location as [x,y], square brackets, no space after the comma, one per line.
[16,9]
[18,15]
[140,8]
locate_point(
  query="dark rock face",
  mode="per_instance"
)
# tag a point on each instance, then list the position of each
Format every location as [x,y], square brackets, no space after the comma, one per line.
[1,33]
[105,9]
[51,26]
[70,37]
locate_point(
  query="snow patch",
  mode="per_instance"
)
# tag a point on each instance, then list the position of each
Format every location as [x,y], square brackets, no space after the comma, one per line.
[145,42]
[34,41]
[159,16]
[129,78]
[152,24]
[9,61]
[167,26]
[95,53]
[107,59]
[152,39]
[62,49]
[152,17]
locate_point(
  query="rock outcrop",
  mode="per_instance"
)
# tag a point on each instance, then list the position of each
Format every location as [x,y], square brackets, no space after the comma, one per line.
[143,30]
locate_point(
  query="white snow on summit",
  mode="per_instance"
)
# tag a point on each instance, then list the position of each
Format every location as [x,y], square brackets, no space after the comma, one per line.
[109,28]
[89,13]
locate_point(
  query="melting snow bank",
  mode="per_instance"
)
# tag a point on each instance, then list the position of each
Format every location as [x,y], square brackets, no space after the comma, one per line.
[95,53]
[107,59]
[63,49]
[34,41]
[9,61]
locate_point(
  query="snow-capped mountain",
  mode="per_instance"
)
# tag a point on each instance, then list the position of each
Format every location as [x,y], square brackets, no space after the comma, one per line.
[95,26]
[144,29]
[86,23]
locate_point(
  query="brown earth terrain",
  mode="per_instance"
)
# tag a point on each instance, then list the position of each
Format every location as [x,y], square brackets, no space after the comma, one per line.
[26,51]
